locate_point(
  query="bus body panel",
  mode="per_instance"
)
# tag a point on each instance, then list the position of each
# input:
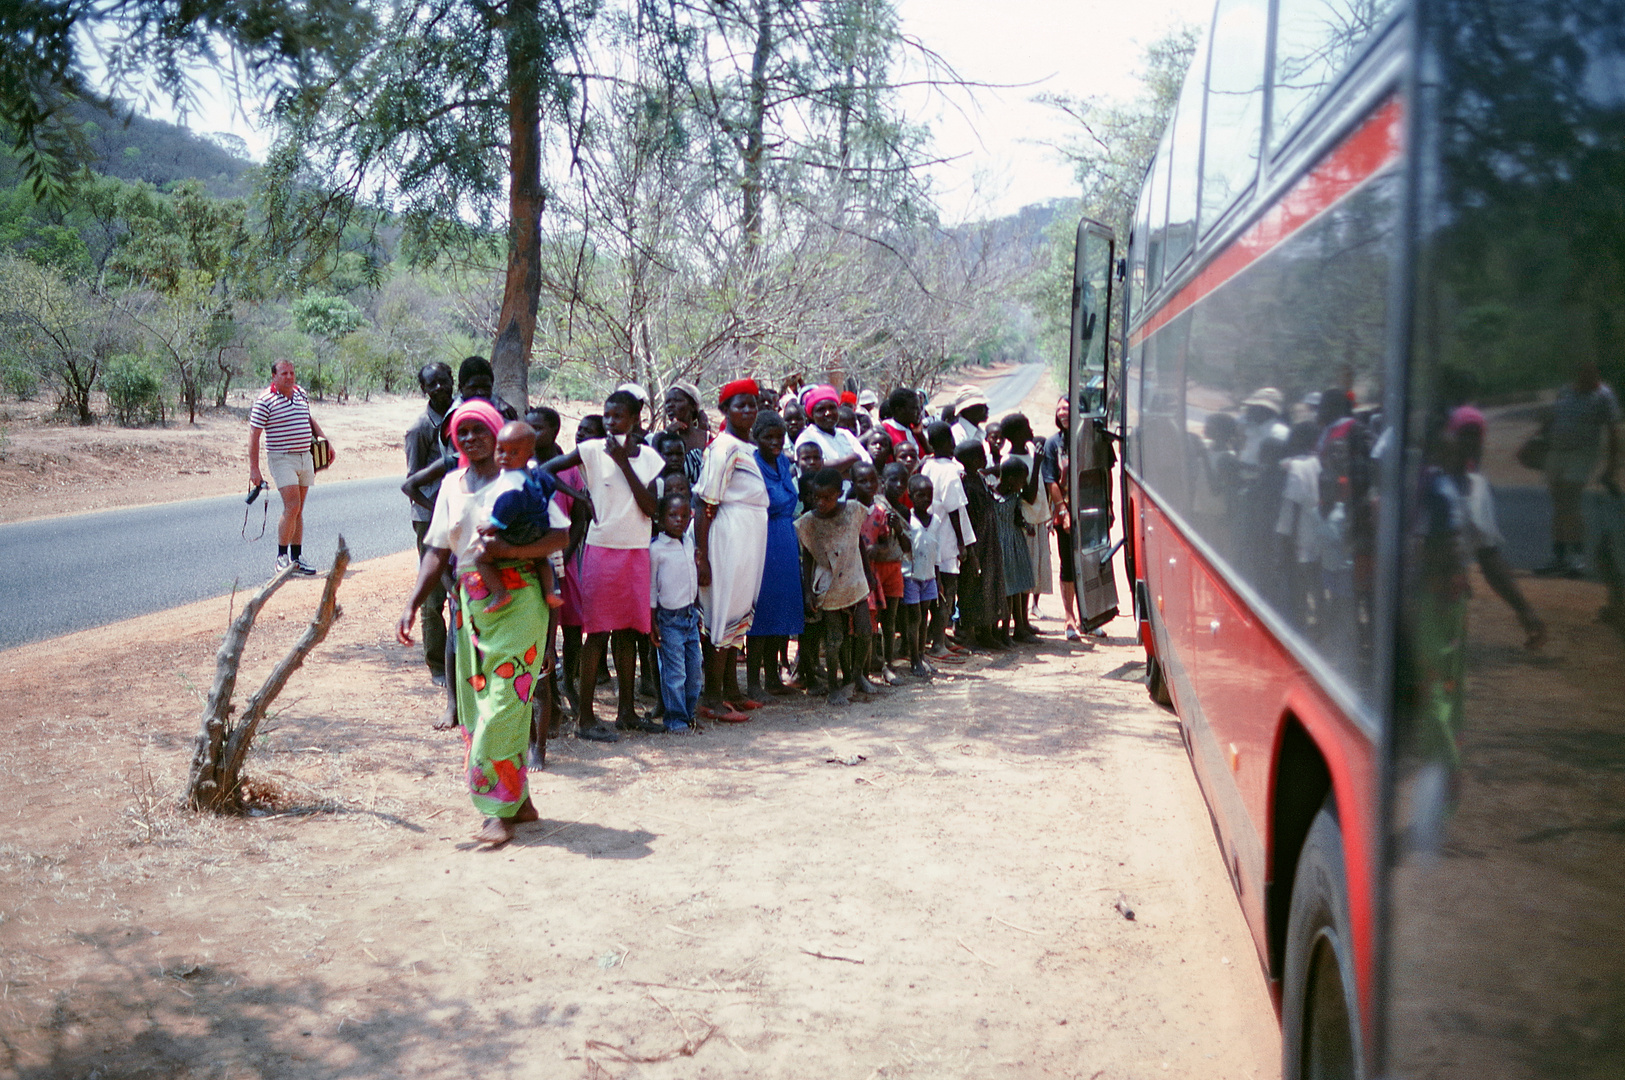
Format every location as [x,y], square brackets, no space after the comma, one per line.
[1439,217]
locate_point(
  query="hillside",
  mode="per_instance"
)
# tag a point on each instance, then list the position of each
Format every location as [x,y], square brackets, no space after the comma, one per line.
[134,147]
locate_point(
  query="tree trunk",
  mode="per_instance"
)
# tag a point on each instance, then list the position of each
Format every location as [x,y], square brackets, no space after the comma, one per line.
[516,326]
[755,142]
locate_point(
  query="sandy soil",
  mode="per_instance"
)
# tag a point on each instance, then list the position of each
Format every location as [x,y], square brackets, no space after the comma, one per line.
[964,868]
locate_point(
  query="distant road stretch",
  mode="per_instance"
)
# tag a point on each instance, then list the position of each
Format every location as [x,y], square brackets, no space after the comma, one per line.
[65,574]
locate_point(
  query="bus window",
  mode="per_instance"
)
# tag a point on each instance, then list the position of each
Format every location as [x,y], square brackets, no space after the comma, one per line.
[1280,419]
[1157,236]
[1136,250]
[1235,105]
[1185,168]
[1314,42]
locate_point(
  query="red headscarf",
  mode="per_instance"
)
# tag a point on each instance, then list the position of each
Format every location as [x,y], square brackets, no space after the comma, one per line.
[473,409]
[734,389]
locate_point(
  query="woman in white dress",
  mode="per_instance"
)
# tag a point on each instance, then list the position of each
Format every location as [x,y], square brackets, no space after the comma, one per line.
[730,548]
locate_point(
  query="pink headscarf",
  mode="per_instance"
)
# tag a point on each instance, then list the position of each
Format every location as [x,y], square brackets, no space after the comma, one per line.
[816,394]
[473,409]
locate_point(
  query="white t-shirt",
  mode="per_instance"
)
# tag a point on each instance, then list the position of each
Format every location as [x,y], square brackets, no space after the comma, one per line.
[948,495]
[617,523]
[459,513]
[921,563]
[839,445]
[965,431]
[674,580]
[1299,518]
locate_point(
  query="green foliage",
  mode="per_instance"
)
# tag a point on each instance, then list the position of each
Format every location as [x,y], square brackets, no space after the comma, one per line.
[19,378]
[283,45]
[135,391]
[328,317]
[1110,150]
[59,322]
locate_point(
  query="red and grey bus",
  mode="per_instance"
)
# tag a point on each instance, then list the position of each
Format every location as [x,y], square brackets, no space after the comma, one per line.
[1367,322]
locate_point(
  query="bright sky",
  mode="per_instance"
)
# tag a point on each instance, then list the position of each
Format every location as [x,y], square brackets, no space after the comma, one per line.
[1079,47]
[994,136]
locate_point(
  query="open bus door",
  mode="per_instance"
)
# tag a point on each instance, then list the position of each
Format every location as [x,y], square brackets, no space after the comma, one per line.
[1089,479]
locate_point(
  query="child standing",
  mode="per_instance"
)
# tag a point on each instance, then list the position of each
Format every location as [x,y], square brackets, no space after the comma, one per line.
[981,576]
[956,553]
[920,574]
[883,540]
[520,515]
[674,612]
[1017,483]
[835,583]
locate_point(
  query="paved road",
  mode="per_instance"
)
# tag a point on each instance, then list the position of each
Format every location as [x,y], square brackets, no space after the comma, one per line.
[1005,394]
[159,557]
[150,558]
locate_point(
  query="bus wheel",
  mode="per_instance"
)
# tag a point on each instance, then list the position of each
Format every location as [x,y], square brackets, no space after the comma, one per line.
[1156,684]
[1319,1037]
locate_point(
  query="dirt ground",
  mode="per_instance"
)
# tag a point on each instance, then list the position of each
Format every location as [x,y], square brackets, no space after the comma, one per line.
[927,884]
[955,852]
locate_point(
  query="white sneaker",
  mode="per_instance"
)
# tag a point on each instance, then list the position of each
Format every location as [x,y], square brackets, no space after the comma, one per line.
[282,563]
[303,568]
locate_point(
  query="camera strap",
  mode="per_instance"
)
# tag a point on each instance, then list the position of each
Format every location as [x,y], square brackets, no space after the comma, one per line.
[265,516]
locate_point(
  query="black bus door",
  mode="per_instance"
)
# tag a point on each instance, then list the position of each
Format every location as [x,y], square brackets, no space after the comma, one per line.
[1089,477]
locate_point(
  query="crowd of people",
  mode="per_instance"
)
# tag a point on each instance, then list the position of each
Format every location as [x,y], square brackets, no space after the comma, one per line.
[828,542]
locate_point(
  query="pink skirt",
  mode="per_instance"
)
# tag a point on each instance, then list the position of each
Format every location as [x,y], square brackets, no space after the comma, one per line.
[570,591]
[614,589]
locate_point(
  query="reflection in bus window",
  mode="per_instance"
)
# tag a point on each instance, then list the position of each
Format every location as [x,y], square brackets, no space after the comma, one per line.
[1235,104]
[1280,422]
[1186,164]
[1314,42]
[1136,251]
[1158,234]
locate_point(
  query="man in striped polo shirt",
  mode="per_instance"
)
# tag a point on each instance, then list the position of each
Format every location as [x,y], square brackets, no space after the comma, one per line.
[283,414]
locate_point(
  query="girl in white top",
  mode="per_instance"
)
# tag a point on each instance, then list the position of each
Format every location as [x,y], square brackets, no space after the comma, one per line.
[618,473]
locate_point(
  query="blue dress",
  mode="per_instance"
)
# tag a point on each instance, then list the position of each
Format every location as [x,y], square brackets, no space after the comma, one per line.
[778,604]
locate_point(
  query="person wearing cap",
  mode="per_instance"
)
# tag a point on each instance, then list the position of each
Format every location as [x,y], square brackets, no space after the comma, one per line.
[970,413]
[730,548]
[868,402]
[1261,423]
[841,448]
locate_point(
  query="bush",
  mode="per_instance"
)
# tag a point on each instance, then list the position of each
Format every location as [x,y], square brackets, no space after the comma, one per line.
[135,391]
[19,379]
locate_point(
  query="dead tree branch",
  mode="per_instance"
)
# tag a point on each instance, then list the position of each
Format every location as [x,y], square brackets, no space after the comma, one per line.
[217,761]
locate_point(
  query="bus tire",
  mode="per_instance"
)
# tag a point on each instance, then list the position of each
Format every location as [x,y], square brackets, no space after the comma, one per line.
[1320,1036]
[1156,683]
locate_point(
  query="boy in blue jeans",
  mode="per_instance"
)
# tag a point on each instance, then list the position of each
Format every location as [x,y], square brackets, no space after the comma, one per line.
[674,624]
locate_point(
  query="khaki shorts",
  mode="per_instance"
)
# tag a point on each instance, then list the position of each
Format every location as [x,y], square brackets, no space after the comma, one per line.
[290,469]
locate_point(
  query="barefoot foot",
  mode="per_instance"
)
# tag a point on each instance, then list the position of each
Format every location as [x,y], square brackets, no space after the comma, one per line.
[497,831]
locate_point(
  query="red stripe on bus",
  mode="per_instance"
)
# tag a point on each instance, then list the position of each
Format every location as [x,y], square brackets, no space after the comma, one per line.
[1355,160]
